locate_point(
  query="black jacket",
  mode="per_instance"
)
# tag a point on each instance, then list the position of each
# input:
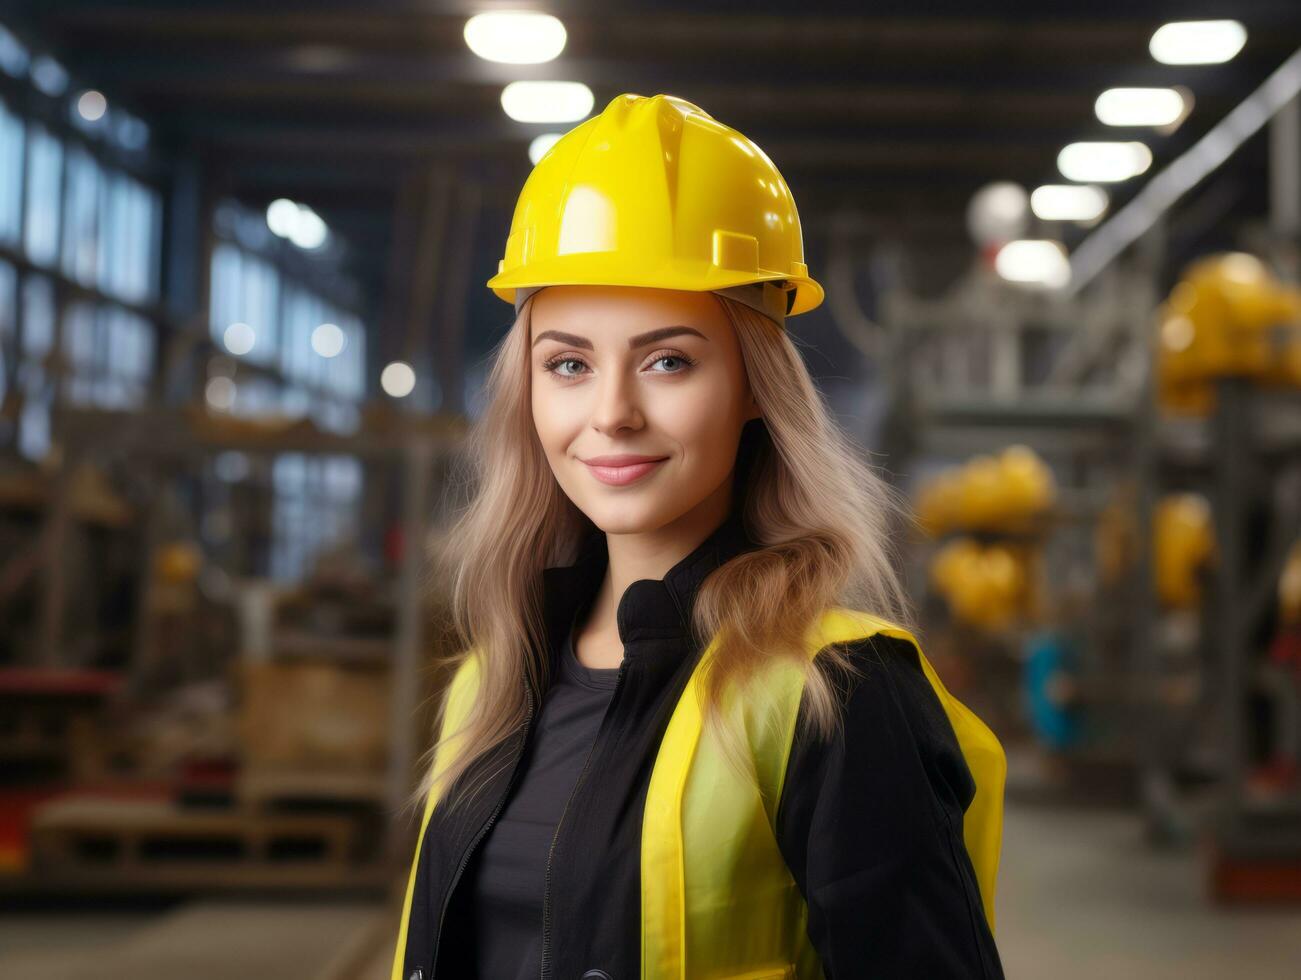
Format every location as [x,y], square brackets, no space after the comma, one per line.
[870,825]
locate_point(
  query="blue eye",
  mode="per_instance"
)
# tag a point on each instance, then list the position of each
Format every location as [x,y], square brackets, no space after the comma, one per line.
[553,365]
[685,361]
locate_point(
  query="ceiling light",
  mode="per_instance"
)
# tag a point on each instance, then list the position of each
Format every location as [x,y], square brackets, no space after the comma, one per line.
[239,338]
[309,232]
[540,144]
[397,379]
[1068,202]
[328,340]
[1139,106]
[282,216]
[516,37]
[997,212]
[1103,161]
[92,105]
[1030,261]
[220,393]
[547,102]
[297,222]
[1197,42]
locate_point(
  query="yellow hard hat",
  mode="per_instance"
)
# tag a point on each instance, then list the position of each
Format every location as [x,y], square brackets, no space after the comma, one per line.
[656,192]
[1184,532]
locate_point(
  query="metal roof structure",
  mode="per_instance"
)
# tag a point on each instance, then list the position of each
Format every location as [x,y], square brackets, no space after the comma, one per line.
[892,112]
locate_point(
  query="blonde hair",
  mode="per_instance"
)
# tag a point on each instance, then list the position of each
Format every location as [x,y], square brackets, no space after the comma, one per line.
[821,516]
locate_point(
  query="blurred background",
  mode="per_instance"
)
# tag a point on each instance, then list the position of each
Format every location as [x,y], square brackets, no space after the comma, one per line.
[243,326]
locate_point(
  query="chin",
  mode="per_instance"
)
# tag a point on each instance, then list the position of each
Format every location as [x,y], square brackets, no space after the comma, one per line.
[627,516]
[613,520]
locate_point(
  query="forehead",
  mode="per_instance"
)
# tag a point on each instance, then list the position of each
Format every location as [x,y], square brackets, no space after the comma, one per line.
[619,309]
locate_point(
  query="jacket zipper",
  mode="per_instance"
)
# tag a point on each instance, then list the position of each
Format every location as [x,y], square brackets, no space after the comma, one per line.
[469,850]
[546,892]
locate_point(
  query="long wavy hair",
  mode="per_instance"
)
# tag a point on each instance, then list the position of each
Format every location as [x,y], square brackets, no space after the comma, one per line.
[823,519]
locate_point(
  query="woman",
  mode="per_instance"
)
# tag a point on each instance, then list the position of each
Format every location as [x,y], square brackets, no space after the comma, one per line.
[677,743]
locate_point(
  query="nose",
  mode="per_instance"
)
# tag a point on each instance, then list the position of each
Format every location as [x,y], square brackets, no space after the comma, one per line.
[616,406]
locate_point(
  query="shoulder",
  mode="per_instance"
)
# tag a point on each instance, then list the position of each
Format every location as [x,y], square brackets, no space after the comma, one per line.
[868,649]
[877,669]
[889,715]
[889,775]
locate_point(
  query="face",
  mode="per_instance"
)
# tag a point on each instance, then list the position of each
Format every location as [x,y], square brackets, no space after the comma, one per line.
[639,397]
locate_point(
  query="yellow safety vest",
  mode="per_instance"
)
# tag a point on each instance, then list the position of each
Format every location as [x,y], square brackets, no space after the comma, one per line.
[717,898]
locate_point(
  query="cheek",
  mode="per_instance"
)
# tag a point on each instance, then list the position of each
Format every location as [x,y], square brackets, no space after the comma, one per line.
[558,421]
[546,422]
[702,420]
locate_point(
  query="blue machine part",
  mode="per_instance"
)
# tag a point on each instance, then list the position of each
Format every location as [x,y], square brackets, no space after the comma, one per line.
[1051,672]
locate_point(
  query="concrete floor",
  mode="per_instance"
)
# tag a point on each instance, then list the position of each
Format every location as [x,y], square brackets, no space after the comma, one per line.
[1080,895]
[201,940]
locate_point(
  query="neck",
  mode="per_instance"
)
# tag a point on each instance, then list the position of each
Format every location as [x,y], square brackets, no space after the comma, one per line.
[644,555]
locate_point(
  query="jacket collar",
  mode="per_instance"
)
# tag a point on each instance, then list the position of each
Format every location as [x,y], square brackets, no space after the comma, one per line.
[649,609]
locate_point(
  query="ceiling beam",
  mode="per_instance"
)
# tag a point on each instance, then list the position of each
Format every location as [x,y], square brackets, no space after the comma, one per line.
[868,85]
[1024,32]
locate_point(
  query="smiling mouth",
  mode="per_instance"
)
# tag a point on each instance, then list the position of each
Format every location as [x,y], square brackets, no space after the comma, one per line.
[623,475]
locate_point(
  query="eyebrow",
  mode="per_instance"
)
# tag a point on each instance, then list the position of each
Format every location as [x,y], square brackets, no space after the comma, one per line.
[640,340]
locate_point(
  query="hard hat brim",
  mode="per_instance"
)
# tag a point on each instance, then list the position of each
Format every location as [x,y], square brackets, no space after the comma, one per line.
[690,276]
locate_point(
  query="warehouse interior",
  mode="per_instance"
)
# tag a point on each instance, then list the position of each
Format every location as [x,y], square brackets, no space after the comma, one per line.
[244,331]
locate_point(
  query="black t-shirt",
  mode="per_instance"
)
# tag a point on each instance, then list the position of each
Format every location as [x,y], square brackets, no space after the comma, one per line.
[506,878]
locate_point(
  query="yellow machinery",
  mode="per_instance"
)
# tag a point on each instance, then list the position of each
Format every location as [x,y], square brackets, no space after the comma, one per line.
[988,586]
[997,493]
[1228,317]
[1184,543]
[177,563]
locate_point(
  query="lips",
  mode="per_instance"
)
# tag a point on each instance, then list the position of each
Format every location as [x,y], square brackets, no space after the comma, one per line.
[622,469]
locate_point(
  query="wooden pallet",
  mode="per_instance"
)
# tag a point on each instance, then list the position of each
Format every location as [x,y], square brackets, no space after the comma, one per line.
[301,789]
[148,844]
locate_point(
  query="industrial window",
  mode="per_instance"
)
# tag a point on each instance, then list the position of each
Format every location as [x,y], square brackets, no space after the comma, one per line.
[259,314]
[305,357]
[91,225]
[245,290]
[43,179]
[11,176]
[37,333]
[129,218]
[109,230]
[315,509]
[80,233]
[9,359]
[109,352]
